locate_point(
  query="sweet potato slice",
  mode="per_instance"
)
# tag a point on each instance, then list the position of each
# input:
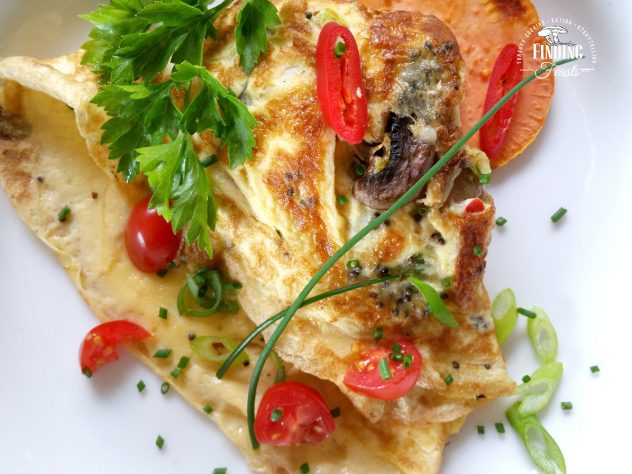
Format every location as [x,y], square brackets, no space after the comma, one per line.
[482,28]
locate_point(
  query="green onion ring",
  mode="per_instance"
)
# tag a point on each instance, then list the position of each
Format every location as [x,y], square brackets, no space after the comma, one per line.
[543,336]
[537,392]
[205,347]
[505,314]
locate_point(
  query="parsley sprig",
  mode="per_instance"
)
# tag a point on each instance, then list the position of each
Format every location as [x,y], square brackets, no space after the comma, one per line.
[149,130]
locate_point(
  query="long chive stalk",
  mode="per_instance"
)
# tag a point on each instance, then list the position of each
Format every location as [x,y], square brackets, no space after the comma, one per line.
[407,196]
[268,322]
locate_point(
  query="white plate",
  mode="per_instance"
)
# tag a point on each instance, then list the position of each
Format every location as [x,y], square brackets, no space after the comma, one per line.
[54,420]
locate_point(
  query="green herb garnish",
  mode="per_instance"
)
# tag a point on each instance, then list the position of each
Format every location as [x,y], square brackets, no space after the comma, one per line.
[448,379]
[477,250]
[525,312]
[436,305]
[342,200]
[485,178]
[378,334]
[162,313]
[160,442]
[183,362]
[558,214]
[220,470]
[280,373]
[164,388]
[353,264]
[384,369]
[304,468]
[501,221]
[207,408]
[594,369]
[335,412]
[63,214]
[162,353]
[276,414]
[500,428]
[480,429]
[140,386]
[566,405]
[133,41]
[175,373]
[340,48]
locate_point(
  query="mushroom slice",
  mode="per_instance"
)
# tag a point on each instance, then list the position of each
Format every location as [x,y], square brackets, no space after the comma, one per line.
[394,165]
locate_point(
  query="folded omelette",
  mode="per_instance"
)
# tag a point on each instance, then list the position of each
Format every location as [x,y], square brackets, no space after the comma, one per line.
[279,220]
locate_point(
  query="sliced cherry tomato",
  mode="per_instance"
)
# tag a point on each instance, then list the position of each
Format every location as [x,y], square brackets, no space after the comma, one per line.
[475,205]
[506,74]
[99,345]
[339,83]
[150,241]
[292,413]
[404,365]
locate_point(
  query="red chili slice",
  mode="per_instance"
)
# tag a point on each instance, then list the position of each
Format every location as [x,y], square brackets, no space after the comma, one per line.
[292,413]
[99,345]
[475,205]
[340,85]
[364,376]
[506,74]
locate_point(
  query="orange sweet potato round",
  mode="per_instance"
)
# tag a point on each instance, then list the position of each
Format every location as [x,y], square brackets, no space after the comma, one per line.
[482,28]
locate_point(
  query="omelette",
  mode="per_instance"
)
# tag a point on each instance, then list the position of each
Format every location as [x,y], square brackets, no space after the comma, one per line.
[279,220]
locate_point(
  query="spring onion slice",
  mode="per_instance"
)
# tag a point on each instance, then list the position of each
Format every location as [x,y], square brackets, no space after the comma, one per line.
[199,286]
[216,348]
[542,335]
[436,305]
[374,224]
[280,373]
[542,448]
[537,392]
[504,314]
[270,321]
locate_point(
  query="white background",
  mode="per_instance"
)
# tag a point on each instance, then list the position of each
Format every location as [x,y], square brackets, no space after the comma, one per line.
[54,420]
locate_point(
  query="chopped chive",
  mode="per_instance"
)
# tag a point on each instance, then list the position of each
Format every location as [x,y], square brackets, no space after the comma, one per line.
[171,264]
[397,348]
[162,313]
[211,160]
[501,221]
[162,353]
[175,373]
[304,468]
[182,363]
[566,405]
[359,169]
[160,442]
[162,273]
[484,178]
[477,250]
[164,388]
[408,361]
[500,427]
[559,214]
[140,385]
[220,470]
[525,312]
[378,333]
[385,371]
[594,369]
[63,214]
[276,414]
[342,200]
[526,379]
[207,408]
[446,282]
[340,48]
[397,357]
[422,211]
[448,379]
[351,264]
[335,412]
[87,372]
[480,429]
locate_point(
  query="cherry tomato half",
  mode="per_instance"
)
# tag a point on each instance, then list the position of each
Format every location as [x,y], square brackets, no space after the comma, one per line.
[475,205]
[365,377]
[99,345]
[506,74]
[292,413]
[339,83]
[150,241]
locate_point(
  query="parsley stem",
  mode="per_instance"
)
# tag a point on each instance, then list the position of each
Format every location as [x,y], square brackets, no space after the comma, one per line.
[375,223]
[268,322]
